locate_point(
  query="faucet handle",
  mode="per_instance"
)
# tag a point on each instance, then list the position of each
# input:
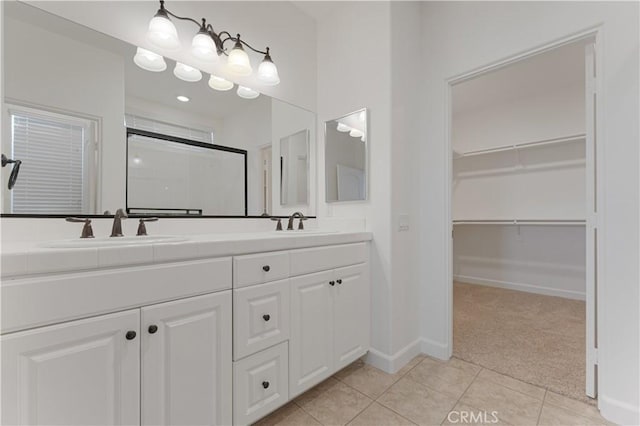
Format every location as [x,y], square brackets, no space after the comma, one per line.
[142,229]
[87,231]
[279,225]
[300,225]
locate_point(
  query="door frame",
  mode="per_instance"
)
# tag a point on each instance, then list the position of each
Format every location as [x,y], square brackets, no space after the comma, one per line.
[592,33]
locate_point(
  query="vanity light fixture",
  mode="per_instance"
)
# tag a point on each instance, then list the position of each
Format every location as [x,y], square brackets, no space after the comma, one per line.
[219,83]
[187,72]
[207,45]
[247,93]
[149,61]
[182,98]
[343,128]
[355,133]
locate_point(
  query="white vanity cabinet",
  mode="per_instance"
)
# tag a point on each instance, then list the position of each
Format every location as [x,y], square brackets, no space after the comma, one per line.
[329,324]
[84,372]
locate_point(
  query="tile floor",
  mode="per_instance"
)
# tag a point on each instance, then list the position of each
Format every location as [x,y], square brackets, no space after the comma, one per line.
[430,392]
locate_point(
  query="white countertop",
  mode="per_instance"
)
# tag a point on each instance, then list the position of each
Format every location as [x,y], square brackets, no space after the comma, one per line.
[29,258]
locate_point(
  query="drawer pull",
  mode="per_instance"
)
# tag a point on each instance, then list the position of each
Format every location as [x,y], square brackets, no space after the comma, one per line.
[265,384]
[332,283]
[266,317]
[266,268]
[130,335]
[153,328]
[339,281]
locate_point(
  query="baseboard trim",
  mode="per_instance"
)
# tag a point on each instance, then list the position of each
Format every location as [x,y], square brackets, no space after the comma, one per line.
[393,363]
[435,349]
[618,412]
[547,291]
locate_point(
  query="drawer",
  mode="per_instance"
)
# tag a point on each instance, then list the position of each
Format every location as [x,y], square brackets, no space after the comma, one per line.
[260,384]
[260,317]
[306,261]
[260,268]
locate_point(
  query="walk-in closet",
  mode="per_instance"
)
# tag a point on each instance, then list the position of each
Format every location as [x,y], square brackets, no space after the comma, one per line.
[523,190]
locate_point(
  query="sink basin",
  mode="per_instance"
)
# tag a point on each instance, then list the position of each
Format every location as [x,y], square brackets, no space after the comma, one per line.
[113,242]
[303,232]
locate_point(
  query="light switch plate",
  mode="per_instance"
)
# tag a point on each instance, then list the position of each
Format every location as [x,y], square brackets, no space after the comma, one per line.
[403,222]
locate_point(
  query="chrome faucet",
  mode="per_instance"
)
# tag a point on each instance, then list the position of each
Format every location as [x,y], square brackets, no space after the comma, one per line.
[291,219]
[116,229]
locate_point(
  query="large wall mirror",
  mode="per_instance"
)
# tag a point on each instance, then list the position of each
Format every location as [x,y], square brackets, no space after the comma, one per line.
[95,132]
[346,157]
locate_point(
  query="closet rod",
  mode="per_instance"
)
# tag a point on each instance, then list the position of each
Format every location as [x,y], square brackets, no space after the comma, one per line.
[541,222]
[543,142]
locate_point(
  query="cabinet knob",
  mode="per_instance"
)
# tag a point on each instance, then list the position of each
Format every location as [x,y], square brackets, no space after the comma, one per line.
[265,384]
[339,281]
[266,317]
[130,335]
[266,268]
[153,328]
[332,283]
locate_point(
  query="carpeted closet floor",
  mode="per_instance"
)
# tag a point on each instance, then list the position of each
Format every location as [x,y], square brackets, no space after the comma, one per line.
[534,338]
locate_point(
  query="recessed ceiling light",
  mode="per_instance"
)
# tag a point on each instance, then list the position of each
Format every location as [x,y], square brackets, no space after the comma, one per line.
[182,98]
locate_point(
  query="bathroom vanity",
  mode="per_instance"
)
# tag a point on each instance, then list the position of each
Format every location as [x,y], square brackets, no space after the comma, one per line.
[218,329]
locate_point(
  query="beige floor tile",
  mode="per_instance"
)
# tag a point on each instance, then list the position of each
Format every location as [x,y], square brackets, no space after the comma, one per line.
[415,361]
[288,415]
[452,377]
[512,383]
[417,403]
[336,404]
[315,391]
[557,416]
[577,407]
[349,369]
[512,406]
[369,380]
[469,416]
[377,415]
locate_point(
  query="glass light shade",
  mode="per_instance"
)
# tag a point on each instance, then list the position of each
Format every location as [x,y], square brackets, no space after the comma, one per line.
[355,133]
[219,83]
[187,73]
[238,61]
[247,93]
[149,61]
[268,73]
[343,128]
[204,48]
[162,33]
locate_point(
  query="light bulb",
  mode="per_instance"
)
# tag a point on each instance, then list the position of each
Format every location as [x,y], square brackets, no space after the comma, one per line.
[343,128]
[149,61]
[219,83]
[203,47]
[238,61]
[267,71]
[182,98]
[187,73]
[247,93]
[355,133]
[162,33]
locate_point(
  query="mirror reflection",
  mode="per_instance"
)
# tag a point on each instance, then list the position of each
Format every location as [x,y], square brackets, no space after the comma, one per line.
[95,131]
[346,157]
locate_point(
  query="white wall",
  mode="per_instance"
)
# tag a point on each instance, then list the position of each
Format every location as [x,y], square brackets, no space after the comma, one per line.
[60,74]
[285,29]
[463,36]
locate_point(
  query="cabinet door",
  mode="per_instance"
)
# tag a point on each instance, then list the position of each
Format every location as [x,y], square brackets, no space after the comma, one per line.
[84,372]
[311,341]
[186,361]
[351,316]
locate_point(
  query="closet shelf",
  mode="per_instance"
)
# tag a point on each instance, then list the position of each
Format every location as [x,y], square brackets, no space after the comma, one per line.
[541,222]
[524,145]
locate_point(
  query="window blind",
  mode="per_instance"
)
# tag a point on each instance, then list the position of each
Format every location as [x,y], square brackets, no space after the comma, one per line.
[150,125]
[52,171]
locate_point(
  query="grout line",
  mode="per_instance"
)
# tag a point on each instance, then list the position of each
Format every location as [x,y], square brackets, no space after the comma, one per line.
[544,397]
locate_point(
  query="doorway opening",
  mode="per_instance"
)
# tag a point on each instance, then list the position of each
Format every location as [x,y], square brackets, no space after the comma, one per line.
[523,216]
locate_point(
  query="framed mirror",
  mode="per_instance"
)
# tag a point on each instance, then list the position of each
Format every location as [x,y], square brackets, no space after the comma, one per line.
[346,165]
[96,130]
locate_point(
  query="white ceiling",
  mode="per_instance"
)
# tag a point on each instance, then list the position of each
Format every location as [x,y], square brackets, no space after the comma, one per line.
[554,70]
